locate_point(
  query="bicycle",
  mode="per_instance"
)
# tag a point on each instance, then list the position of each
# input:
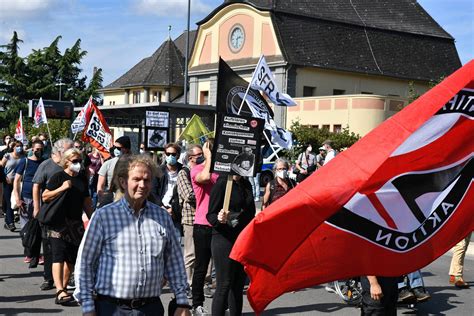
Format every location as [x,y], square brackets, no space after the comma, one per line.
[350,290]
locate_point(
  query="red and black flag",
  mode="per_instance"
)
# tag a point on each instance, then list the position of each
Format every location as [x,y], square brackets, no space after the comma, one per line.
[407,202]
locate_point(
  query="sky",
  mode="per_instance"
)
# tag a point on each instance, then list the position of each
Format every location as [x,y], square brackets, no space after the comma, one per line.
[117,34]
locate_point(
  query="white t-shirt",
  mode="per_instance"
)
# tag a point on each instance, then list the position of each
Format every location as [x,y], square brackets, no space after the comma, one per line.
[107,171]
[172,180]
[330,155]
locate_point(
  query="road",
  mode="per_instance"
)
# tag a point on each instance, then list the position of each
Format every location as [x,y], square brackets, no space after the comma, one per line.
[20,294]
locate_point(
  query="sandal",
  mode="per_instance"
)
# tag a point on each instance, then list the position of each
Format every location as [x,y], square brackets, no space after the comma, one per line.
[64,299]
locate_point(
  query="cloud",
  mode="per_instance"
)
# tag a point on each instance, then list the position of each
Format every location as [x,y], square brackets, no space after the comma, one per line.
[14,9]
[175,8]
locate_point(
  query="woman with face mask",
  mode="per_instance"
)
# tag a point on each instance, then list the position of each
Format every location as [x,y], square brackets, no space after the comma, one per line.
[9,163]
[66,230]
[279,186]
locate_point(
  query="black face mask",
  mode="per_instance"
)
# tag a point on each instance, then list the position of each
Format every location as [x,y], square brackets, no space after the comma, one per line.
[200,160]
[38,154]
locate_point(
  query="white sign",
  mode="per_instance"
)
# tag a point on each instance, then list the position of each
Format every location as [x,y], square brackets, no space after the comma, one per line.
[157,119]
[96,130]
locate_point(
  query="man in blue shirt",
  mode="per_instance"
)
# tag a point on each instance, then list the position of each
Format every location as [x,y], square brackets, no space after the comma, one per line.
[129,247]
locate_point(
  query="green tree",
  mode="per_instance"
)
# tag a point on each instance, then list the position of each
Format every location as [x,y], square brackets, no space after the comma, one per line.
[303,135]
[39,75]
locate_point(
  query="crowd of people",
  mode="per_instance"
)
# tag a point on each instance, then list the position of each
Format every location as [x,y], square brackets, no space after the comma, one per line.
[118,230]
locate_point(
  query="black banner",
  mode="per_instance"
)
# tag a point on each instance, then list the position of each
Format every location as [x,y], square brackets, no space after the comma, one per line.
[237,145]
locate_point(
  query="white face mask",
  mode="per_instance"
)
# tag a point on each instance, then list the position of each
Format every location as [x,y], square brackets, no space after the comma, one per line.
[75,167]
[282,174]
[309,149]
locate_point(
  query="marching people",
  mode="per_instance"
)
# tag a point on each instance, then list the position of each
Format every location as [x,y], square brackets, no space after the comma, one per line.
[412,288]
[188,201]
[279,186]
[43,174]
[226,227]
[141,235]
[4,148]
[121,147]
[330,151]
[320,157]
[94,167]
[164,185]
[379,296]
[305,164]
[203,181]
[66,229]
[9,163]
[23,191]
[456,268]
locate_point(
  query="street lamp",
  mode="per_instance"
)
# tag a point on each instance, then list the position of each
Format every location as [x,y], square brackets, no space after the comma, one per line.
[60,84]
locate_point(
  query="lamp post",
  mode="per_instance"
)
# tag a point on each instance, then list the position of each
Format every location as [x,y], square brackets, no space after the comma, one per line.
[60,84]
[186,61]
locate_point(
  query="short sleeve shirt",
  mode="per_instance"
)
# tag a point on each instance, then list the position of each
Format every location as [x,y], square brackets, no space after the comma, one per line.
[202,193]
[306,160]
[45,171]
[107,171]
[28,174]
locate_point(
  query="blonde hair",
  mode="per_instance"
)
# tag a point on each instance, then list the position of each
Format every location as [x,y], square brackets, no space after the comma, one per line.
[71,152]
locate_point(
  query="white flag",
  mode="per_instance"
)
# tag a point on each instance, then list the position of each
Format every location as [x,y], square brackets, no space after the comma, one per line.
[263,80]
[20,132]
[80,121]
[40,114]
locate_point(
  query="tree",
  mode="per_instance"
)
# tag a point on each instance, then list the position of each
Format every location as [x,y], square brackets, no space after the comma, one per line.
[303,135]
[39,75]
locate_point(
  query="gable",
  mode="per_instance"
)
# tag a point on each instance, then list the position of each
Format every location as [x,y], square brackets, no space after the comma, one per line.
[214,36]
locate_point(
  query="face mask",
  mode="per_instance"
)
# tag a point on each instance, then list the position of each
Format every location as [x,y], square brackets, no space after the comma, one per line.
[75,167]
[38,154]
[117,152]
[18,150]
[282,174]
[45,143]
[200,160]
[309,149]
[171,160]
[142,151]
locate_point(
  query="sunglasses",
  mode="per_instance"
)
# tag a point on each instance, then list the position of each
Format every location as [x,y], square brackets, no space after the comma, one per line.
[171,154]
[76,160]
[78,147]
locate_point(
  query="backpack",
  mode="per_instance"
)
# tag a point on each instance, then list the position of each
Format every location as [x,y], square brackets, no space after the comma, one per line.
[292,184]
[176,205]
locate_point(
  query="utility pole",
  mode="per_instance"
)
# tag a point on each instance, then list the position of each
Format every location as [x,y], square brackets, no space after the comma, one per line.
[186,61]
[60,84]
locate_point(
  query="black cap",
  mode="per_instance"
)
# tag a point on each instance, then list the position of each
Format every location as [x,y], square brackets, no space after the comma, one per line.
[124,141]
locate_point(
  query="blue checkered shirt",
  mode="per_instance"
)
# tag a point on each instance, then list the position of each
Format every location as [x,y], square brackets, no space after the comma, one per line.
[126,256]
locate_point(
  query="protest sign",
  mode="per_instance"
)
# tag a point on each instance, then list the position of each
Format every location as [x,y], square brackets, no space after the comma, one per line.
[157,119]
[237,145]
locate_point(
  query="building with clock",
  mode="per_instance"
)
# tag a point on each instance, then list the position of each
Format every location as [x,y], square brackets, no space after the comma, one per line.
[346,63]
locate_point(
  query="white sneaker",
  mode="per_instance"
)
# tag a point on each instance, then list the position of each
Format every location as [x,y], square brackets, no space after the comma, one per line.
[200,311]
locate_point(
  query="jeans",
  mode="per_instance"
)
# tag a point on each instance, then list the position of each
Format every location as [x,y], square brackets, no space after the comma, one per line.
[255,182]
[7,192]
[414,280]
[202,236]
[230,278]
[103,307]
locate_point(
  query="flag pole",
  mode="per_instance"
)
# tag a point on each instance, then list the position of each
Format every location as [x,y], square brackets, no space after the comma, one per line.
[248,86]
[47,126]
[271,145]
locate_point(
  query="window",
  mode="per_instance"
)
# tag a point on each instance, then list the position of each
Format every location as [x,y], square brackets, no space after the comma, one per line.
[136,97]
[156,96]
[325,126]
[309,91]
[338,92]
[366,92]
[337,128]
[204,98]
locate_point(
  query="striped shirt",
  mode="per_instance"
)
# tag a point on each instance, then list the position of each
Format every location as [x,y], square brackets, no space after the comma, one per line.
[126,256]
[186,197]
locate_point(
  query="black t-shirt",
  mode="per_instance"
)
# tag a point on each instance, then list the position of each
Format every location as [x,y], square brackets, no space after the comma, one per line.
[74,200]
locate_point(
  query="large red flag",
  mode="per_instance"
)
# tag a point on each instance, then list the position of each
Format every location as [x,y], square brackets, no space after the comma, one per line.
[392,203]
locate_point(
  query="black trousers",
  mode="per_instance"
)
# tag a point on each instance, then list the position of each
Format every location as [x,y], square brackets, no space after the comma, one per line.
[387,306]
[202,236]
[230,278]
[107,308]
[48,258]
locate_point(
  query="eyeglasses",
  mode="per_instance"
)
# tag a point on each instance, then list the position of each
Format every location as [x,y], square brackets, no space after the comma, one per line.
[76,160]
[78,147]
[171,154]
[196,155]
[281,169]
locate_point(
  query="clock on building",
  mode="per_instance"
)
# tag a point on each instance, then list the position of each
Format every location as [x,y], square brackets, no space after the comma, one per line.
[236,38]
